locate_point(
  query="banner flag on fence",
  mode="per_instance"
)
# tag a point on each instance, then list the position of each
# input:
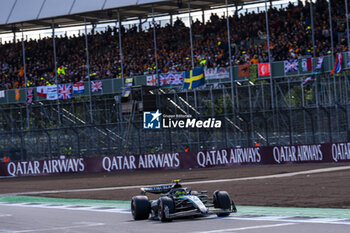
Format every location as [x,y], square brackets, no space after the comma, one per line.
[319,63]
[41,91]
[30,95]
[306,64]
[126,92]
[243,71]
[128,82]
[96,86]
[338,63]
[2,94]
[171,79]
[18,94]
[51,92]
[47,92]
[264,69]
[78,87]
[64,91]
[151,80]
[194,78]
[291,65]
[308,79]
[216,73]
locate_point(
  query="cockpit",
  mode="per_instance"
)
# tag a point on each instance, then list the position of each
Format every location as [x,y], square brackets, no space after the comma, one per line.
[177,192]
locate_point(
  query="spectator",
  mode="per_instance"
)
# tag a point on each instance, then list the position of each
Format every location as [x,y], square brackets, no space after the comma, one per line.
[290,37]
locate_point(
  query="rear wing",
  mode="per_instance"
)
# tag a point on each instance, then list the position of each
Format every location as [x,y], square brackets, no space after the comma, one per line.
[156,189]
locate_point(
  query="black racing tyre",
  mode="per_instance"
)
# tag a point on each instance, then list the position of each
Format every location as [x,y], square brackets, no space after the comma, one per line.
[222,200]
[166,204]
[140,207]
[215,201]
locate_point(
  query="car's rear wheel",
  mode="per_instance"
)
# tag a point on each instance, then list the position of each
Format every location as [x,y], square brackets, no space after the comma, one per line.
[166,207]
[140,207]
[222,200]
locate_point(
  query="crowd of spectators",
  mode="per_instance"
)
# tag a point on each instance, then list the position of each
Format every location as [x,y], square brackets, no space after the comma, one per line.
[290,37]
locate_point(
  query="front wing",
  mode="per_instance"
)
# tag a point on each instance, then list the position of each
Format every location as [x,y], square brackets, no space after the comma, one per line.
[196,212]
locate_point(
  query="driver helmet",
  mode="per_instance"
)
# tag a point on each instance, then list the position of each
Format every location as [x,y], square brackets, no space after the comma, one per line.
[180,192]
[176,185]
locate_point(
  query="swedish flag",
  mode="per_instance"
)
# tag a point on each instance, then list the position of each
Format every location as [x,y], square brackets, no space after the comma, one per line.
[194,78]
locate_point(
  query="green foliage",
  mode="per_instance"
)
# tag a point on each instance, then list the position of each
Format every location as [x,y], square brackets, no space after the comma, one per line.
[220,106]
[253,73]
[295,96]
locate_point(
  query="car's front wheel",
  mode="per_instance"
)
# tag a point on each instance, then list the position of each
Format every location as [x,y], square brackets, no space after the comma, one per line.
[166,207]
[140,207]
[222,200]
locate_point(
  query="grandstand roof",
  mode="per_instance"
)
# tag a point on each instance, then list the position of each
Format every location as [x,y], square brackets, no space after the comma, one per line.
[38,14]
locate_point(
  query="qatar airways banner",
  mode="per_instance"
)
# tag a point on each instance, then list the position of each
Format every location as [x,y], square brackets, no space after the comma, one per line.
[295,154]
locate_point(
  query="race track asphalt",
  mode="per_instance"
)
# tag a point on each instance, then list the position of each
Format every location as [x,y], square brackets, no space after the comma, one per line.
[94,203]
[51,218]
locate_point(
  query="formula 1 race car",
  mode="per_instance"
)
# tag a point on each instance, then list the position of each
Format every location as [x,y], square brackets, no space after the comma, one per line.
[176,201]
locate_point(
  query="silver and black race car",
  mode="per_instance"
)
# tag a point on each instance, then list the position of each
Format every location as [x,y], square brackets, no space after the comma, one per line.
[176,201]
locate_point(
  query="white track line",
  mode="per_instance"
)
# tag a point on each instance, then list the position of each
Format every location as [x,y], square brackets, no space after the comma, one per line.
[60,228]
[70,207]
[248,228]
[293,220]
[314,171]
[5,215]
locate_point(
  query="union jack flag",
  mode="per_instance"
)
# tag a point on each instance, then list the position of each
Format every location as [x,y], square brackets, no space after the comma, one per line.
[171,79]
[176,79]
[30,95]
[290,66]
[64,91]
[96,86]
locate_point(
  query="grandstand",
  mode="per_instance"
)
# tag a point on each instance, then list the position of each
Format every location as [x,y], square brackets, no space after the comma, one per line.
[283,107]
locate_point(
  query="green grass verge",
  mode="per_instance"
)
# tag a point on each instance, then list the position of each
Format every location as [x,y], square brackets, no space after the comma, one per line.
[66,201]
